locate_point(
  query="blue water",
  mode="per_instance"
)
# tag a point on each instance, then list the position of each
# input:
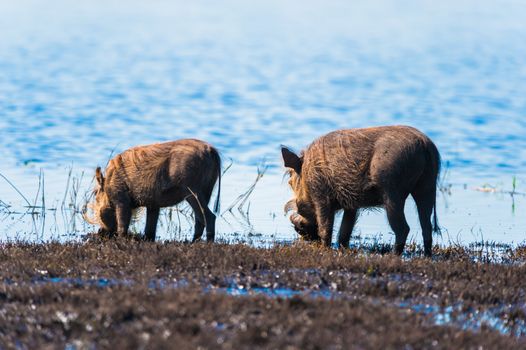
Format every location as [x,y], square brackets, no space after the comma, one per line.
[80,80]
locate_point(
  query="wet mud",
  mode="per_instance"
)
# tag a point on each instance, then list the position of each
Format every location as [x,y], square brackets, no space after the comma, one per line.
[125,293]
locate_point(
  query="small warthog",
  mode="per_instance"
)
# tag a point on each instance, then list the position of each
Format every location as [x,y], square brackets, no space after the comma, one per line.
[363,168]
[156,176]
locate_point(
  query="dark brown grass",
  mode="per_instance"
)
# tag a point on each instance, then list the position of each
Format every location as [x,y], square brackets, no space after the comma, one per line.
[131,313]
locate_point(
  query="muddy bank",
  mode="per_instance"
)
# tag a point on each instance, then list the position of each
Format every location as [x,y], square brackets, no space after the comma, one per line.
[126,293]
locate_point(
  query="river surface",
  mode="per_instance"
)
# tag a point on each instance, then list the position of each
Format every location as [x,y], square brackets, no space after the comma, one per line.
[80,81]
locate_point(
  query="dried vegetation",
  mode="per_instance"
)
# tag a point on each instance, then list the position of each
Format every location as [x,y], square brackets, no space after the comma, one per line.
[157,295]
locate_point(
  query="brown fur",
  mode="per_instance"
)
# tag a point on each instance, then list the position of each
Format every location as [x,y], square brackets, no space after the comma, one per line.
[156,176]
[363,168]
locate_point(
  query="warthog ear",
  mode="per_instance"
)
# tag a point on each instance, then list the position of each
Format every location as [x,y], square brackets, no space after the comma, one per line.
[291,159]
[100,178]
[290,206]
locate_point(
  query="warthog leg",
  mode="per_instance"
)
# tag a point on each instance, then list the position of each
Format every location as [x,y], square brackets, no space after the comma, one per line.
[199,225]
[210,225]
[397,221]
[425,203]
[152,215]
[325,218]
[348,221]
[203,218]
[123,213]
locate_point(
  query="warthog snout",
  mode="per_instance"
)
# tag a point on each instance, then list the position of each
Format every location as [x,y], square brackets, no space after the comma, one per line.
[102,206]
[306,227]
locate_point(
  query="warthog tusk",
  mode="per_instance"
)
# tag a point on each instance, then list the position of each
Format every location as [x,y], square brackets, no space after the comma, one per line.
[290,206]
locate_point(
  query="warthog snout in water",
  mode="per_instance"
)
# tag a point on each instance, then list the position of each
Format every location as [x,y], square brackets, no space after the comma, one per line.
[156,176]
[363,168]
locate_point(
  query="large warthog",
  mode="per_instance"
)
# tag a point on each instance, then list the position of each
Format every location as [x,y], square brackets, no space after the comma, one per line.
[363,168]
[156,176]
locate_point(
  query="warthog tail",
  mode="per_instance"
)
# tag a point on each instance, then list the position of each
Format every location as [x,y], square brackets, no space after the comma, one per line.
[434,156]
[436,228]
[218,161]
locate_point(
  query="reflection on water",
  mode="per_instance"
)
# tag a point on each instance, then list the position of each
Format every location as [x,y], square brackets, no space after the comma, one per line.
[465,214]
[81,80]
